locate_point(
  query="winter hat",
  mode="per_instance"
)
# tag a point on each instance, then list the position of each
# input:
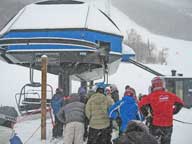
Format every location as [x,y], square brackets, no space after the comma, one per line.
[8,114]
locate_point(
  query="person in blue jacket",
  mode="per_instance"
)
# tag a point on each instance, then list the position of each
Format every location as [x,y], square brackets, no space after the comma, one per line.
[15,139]
[57,102]
[124,110]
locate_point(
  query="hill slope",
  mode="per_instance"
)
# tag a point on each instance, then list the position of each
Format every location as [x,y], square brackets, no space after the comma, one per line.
[179,51]
[171,18]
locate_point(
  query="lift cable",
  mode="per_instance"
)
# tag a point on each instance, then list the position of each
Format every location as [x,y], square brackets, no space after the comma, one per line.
[182,121]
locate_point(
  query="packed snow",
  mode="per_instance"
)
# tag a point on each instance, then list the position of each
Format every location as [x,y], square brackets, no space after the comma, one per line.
[30,131]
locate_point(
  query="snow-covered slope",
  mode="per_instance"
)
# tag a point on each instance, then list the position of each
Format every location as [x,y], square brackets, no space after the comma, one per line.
[165,17]
[179,51]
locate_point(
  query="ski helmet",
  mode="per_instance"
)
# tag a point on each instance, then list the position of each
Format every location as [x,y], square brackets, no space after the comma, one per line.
[157,83]
[100,87]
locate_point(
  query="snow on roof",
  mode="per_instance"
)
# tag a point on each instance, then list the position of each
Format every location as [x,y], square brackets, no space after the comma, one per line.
[60,16]
[98,20]
[9,25]
[127,50]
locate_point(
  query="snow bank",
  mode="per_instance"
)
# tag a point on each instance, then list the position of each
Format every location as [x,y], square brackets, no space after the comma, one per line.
[181,131]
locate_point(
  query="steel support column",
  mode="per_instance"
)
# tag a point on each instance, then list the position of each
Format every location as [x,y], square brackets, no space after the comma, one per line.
[65,82]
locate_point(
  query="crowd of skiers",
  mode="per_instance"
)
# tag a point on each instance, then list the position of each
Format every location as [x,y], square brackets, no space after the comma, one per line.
[101,117]
[95,116]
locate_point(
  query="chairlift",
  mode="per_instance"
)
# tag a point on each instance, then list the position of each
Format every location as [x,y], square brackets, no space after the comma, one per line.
[29,99]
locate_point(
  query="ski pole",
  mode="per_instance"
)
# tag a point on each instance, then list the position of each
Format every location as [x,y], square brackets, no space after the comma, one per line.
[52,121]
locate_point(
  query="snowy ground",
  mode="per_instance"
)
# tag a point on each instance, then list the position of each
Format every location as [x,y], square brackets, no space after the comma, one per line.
[26,129]
[181,132]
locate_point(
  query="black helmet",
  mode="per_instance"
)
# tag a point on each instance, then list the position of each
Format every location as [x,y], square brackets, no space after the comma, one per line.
[8,114]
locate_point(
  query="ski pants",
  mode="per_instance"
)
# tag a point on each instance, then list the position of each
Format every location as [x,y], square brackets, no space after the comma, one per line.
[164,133]
[73,133]
[58,128]
[99,136]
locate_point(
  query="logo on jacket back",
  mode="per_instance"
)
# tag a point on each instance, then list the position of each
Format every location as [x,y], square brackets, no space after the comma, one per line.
[163,98]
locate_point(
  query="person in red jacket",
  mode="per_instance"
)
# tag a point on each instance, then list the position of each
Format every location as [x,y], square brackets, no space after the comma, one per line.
[162,105]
